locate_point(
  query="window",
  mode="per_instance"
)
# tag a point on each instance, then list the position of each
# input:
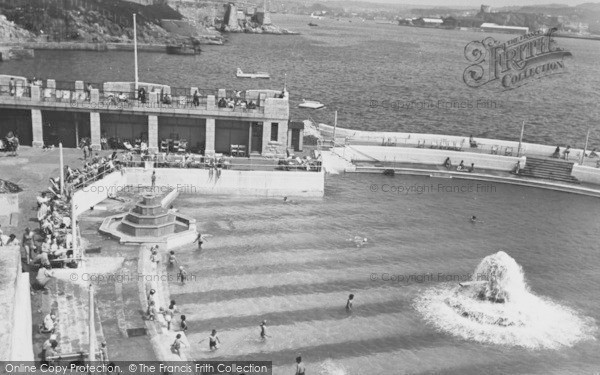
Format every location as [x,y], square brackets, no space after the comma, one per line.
[274,131]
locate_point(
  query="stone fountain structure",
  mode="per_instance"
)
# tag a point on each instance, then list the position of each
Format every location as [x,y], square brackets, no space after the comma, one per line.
[150,222]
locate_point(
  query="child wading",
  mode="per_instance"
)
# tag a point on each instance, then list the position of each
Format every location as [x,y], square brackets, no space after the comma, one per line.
[263,330]
[172,259]
[183,325]
[213,340]
[177,344]
[182,275]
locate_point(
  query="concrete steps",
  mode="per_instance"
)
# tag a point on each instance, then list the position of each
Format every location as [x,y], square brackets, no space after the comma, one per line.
[549,169]
[72,305]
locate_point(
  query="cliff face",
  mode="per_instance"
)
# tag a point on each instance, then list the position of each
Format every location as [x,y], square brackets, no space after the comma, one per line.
[93,22]
[9,31]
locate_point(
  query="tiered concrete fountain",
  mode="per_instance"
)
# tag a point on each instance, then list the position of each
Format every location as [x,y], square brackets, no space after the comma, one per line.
[150,222]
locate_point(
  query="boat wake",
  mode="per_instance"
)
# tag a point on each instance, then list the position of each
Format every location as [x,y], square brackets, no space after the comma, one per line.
[498,308]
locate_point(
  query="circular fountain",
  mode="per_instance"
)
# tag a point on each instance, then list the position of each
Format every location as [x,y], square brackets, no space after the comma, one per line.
[498,307]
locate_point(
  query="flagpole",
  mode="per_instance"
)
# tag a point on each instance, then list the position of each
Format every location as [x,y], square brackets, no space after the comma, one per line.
[135,54]
[62,170]
[334,127]
[521,139]
[587,137]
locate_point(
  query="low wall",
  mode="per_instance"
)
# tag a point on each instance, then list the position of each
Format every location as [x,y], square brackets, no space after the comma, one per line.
[95,193]
[22,346]
[586,174]
[15,308]
[426,156]
[255,183]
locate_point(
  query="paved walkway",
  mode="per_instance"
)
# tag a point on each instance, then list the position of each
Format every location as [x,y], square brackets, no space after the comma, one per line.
[118,307]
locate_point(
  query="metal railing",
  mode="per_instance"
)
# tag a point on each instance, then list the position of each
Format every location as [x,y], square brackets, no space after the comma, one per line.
[130,99]
[88,179]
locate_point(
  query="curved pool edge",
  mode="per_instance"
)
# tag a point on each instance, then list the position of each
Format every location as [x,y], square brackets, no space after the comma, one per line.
[511,180]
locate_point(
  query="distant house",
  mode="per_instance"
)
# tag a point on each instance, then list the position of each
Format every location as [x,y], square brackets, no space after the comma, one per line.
[428,22]
[493,28]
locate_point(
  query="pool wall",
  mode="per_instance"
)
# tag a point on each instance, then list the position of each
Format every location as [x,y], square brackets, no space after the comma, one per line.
[200,181]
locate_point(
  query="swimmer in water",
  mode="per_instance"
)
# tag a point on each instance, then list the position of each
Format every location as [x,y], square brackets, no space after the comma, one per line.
[474,220]
[289,201]
[359,241]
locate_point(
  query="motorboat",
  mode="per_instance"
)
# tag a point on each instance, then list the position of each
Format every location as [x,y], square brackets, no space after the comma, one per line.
[312,104]
[241,74]
[182,49]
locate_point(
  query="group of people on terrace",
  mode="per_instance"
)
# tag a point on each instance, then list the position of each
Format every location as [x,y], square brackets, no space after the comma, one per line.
[459,168]
[237,103]
[92,170]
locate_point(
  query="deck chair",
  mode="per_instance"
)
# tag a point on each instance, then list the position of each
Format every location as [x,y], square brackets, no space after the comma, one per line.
[434,144]
[420,144]
[128,146]
[233,150]
[182,146]
[176,145]
[164,146]
[241,150]
[494,150]
[508,151]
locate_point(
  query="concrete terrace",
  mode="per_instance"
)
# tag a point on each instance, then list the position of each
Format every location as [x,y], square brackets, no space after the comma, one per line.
[49,112]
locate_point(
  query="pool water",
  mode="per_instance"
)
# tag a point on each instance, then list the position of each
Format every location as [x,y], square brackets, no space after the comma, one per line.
[293,265]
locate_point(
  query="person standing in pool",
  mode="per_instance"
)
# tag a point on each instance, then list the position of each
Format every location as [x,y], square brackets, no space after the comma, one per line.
[263,330]
[177,344]
[183,325]
[182,275]
[200,239]
[213,340]
[300,368]
[349,302]
[172,259]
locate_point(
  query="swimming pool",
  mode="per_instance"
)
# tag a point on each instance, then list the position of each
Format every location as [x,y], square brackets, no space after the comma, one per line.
[292,264]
